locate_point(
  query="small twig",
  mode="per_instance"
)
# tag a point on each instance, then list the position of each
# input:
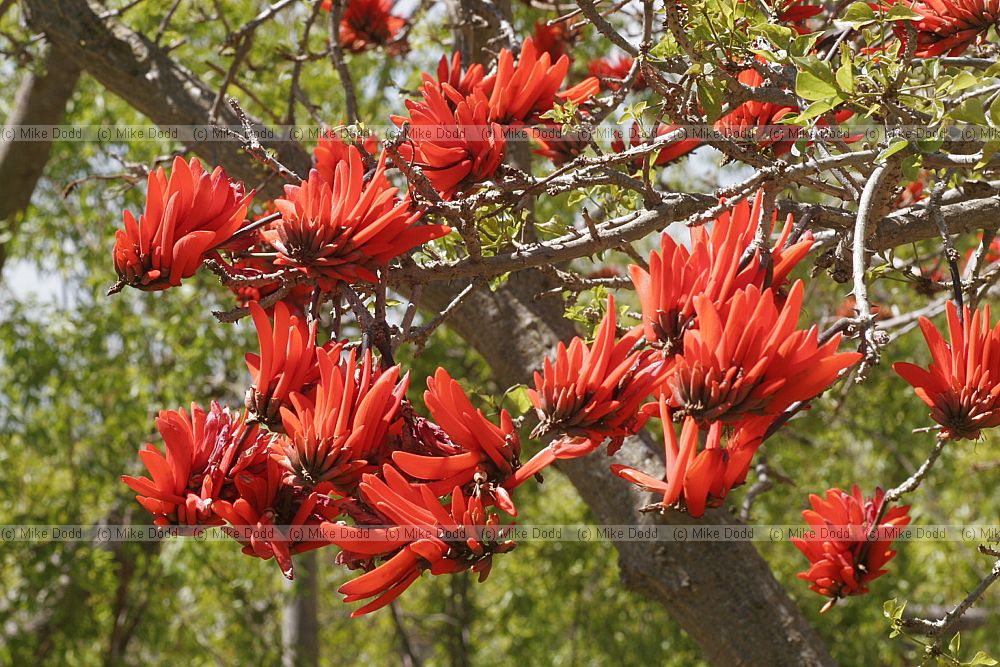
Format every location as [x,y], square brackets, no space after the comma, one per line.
[337,57]
[165,23]
[252,145]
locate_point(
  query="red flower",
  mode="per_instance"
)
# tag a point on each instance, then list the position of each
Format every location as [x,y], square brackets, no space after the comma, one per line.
[759,122]
[711,268]
[186,218]
[453,140]
[949,27]
[204,451]
[286,363]
[521,92]
[611,72]
[842,567]
[331,150]
[746,357]
[552,39]
[341,432]
[345,230]
[465,83]
[483,448]
[595,392]
[368,24]
[746,121]
[675,150]
[264,503]
[796,14]
[696,479]
[962,384]
[451,538]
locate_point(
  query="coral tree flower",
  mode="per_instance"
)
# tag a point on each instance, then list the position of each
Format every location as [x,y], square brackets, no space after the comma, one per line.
[552,39]
[203,452]
[368,24]
[949,27]
[842,567]
[287,362]
[482,447]
[345,230]
[747,357]
[264,503]
[612,72]
[696,479]
[187,217]
[453,140]
[671,152]
[521,92]
[962,384]
[450,538]
[341,431]
[747,120]
[711,268]
[594,391]
[331,150]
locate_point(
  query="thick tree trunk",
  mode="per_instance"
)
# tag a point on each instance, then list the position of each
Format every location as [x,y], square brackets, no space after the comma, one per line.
[722,593]
[300,623]
[41,100]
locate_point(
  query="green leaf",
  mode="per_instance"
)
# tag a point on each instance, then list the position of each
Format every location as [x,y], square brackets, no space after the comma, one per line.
[810,87]
[711,95]
[982,658]
[518,396]
[994,112]
[845,77]
[970,112]
[888,606]
[902,13]
[859,14]
[990,149]
[955,645]
[894,148]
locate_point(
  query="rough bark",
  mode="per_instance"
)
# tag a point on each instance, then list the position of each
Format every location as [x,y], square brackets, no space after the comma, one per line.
[41,100]
[722,593]
[300,621]
[131,66]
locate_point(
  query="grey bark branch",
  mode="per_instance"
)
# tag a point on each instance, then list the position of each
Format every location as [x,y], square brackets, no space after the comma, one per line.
[131,66]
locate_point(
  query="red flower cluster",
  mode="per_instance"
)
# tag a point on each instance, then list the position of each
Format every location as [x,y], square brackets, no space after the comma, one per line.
[472,108]
[286,364]
[594,392]
[345,230]
[265,504]
[715,267]
[368,24]
[696,479]
[669,153]
[204,453]
[949,27]
[843,566]
[341,430]
[747,358]
[451,538]
[962,384]
[187,217]
[469,451]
